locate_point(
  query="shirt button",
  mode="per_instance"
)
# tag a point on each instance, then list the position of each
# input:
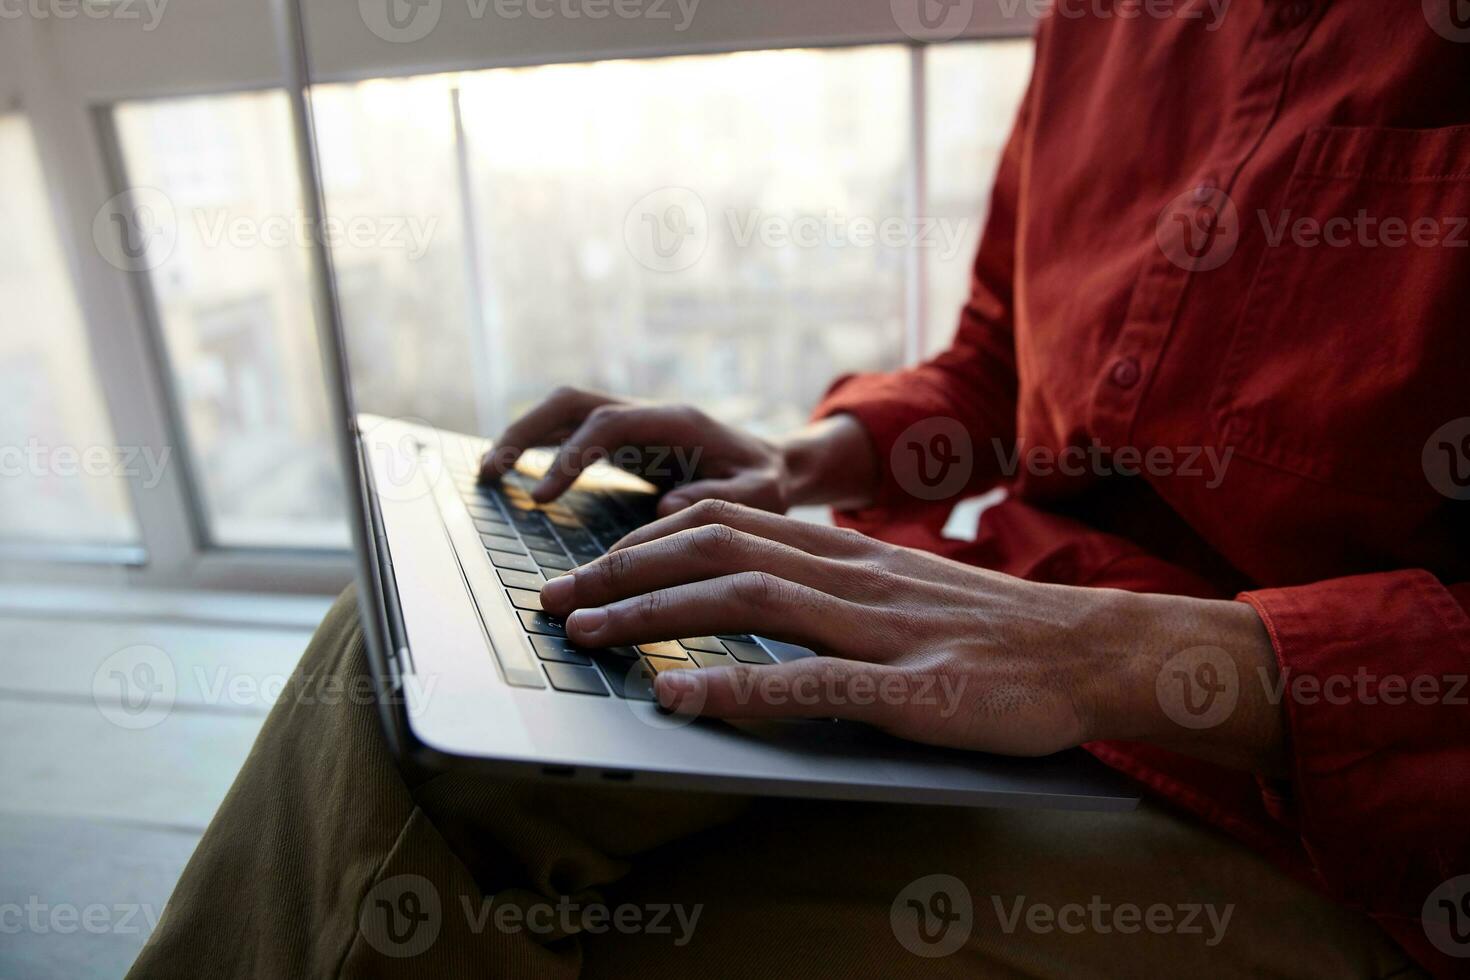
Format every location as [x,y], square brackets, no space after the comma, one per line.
[1125,372]
[1205,189]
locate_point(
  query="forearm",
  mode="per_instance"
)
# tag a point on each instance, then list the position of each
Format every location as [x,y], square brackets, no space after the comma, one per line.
[1198,678]
[831,461]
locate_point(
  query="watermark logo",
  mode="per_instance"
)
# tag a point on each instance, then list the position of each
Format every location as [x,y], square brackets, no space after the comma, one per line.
[933,916]
[1450,19]
[933,459]
[1199,230]
[401,916]
[400,21]
[1446,917]
[135,687]
[1198,688]
[149,12]
[408,464]
[667,230]
[136,230]
[1446,459]
[932,20]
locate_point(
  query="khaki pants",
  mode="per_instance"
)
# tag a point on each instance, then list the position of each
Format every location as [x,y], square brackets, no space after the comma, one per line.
[326,861]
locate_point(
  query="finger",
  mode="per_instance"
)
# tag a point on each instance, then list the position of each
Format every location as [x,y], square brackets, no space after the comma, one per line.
[813,538]
[751,489]
[704,553]
[562,409]
[748,602]
[813,687]
[606,429]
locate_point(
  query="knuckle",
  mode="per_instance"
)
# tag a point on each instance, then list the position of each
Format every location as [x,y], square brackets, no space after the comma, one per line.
[613,568]
[650,605]
[712,510]
[713,542]
[871,577]
[760,590]
[564,393]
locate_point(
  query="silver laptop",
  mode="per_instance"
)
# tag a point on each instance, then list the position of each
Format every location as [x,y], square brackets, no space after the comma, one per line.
[469,672]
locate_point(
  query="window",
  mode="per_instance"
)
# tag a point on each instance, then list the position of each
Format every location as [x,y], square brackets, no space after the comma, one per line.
[62,475]
[734,230]
[228,282]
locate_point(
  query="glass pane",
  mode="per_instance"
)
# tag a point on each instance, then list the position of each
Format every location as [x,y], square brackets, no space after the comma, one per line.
[974,91]
[727,230]
[390,170]
[218,181]
[63,474]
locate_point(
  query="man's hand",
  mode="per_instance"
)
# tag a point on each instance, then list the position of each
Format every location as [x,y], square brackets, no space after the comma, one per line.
[829,462]
[920,646]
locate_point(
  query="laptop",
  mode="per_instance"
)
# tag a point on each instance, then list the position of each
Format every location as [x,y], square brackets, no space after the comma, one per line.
[470,672]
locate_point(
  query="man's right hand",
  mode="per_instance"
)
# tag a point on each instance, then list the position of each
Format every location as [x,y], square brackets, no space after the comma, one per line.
[829,462]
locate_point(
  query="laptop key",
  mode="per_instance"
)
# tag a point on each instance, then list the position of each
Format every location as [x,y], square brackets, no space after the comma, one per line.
[739,637]
[504,541]
[487,512]
[520,580]
[541,542]
[525,599]
[548,560]
[660,664]
[748,653]
[706,643]
[505,559]
[631,679]
[575,678]
[539,622]
[705,659]
[668,649]
[556,649]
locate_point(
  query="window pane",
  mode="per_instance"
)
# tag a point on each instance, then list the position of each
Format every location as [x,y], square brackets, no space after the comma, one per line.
[63,475]
[705,229]
[229,271]
[974,91]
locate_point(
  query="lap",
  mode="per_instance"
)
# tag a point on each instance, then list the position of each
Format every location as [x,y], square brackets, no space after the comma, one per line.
[326,860]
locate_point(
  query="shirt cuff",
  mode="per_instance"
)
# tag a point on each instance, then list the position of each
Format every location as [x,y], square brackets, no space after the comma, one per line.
[1373,682]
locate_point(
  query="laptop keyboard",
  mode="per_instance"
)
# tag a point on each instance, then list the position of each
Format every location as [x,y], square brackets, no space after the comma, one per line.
[528,543]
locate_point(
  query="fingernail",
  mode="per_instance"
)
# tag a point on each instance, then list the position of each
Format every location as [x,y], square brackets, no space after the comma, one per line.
[587,620]
[559,591]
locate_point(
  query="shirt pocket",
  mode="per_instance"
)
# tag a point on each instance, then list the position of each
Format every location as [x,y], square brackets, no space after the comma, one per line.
[1352,347]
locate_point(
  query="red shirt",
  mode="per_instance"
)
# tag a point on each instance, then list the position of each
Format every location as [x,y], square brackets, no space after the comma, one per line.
[1239,245]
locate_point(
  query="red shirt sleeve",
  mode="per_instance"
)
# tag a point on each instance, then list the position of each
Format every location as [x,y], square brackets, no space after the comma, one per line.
[1373,674]
[974,381]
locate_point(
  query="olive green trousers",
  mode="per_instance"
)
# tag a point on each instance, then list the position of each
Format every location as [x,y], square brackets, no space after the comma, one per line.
[325,860]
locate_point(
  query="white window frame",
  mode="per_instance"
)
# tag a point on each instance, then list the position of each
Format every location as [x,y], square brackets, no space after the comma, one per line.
[64,76]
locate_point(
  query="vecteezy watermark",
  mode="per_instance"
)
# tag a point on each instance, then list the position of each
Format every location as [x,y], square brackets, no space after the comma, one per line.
[566,917]
[40,917]
[669,229]
[403,915]
[1203,919]
[933,459]
[1446,917]
[1189,462]
[1365,230]
[148,12]
[135,687]
[138,230]
[945,20]
[933,916]
[1446,459]
[1450,19]
[36,459]
[1199,230]
[406,21]
[138,687]
[1201,687]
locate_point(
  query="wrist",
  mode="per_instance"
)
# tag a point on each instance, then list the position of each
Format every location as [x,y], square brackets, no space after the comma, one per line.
[830,461]
[1196,678]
